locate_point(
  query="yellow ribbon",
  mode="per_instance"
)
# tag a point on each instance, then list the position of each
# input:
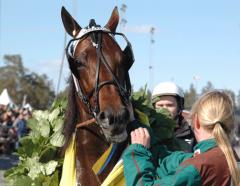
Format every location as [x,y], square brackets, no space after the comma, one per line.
[116,176]
[99,163]
[69,165]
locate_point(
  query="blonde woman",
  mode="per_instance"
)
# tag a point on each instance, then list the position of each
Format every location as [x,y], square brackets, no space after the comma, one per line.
[212,163]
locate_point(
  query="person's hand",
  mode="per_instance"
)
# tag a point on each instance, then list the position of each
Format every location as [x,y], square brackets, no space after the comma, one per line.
[141,136]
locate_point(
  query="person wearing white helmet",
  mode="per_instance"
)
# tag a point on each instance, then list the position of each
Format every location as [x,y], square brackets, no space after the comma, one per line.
[168,95]
[171,97]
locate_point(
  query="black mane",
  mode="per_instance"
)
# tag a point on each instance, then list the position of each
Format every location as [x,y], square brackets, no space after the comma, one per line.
[70,118]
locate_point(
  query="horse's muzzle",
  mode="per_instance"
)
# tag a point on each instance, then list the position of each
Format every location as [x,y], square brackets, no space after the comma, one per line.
[114,123]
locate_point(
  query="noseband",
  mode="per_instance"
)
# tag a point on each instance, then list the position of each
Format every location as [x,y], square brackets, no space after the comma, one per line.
[96,38]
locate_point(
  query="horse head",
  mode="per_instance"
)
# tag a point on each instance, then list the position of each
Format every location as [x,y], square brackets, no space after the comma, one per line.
[99,69]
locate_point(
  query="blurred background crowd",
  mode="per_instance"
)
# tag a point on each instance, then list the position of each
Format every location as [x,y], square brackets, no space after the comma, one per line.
[13,126]
[13,122]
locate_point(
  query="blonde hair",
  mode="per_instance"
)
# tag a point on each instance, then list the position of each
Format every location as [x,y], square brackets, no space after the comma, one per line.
[215,113]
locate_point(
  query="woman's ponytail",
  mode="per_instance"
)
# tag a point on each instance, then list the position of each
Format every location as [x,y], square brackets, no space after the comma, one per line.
[224,144]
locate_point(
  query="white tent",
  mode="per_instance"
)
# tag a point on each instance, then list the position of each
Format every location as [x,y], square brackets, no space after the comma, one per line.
[5,98]
[28,106]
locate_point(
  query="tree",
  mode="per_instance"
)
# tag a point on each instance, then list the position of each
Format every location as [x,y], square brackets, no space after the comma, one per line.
[21,82]
[232,95]
[38,89]
[190,97]
[9,75]
[238,103]
[208,87]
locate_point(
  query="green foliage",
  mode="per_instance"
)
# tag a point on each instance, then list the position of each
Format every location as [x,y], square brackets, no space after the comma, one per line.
[140,100]
[160,120]
[162,124]
[39,163]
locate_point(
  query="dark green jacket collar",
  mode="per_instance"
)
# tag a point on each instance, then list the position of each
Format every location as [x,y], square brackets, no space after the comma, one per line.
[205,145]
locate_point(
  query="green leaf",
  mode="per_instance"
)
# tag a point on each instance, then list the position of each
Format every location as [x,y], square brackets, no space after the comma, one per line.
[54,179]
[34,135]
[34,167]
[42,125]
[48,154]
[26,148]
[40,180]
[39,114]
[143,118]
[57,139]
[32,123]
[44,128]
[64,105]
[57,124]
[56,103]
[162,124]
[61,103]
[54,114]
[36,139]
[15,171]
[21,180]
[50,167]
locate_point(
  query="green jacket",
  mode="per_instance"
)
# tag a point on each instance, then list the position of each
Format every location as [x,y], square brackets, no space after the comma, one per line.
[175,168]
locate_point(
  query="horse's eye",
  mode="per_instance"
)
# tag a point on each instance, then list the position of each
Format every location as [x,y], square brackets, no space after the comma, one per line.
[81,59]
[78,61]
[80,64]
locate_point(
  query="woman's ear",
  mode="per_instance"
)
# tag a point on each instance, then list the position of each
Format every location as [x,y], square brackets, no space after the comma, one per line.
[195,122]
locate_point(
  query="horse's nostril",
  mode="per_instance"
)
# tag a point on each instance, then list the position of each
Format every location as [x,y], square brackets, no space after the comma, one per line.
[111,119]
[102,116]
[106,117]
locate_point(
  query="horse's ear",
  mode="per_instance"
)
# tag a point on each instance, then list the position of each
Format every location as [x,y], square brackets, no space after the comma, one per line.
[113,21]
[70,25]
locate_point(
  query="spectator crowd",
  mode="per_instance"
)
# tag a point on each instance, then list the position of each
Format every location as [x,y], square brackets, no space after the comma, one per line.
[13,126]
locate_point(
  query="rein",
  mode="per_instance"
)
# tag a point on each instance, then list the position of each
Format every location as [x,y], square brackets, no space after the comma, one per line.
[86,123]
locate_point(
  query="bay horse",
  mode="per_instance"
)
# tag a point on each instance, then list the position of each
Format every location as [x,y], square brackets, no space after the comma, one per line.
[99,92]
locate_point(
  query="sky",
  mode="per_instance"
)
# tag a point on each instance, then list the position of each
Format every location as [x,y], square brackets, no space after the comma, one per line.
[194,41]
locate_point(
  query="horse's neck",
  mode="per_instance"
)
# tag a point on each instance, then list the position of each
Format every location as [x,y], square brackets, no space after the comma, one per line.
[91,144]
[88,150]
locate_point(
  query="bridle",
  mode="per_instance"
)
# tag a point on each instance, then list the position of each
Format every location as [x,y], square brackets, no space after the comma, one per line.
[96,37]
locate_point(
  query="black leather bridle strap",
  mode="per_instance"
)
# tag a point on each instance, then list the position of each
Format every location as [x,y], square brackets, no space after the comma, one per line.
[123,91]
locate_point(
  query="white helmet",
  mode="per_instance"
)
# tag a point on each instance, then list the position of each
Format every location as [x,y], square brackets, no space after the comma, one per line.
[167,88]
